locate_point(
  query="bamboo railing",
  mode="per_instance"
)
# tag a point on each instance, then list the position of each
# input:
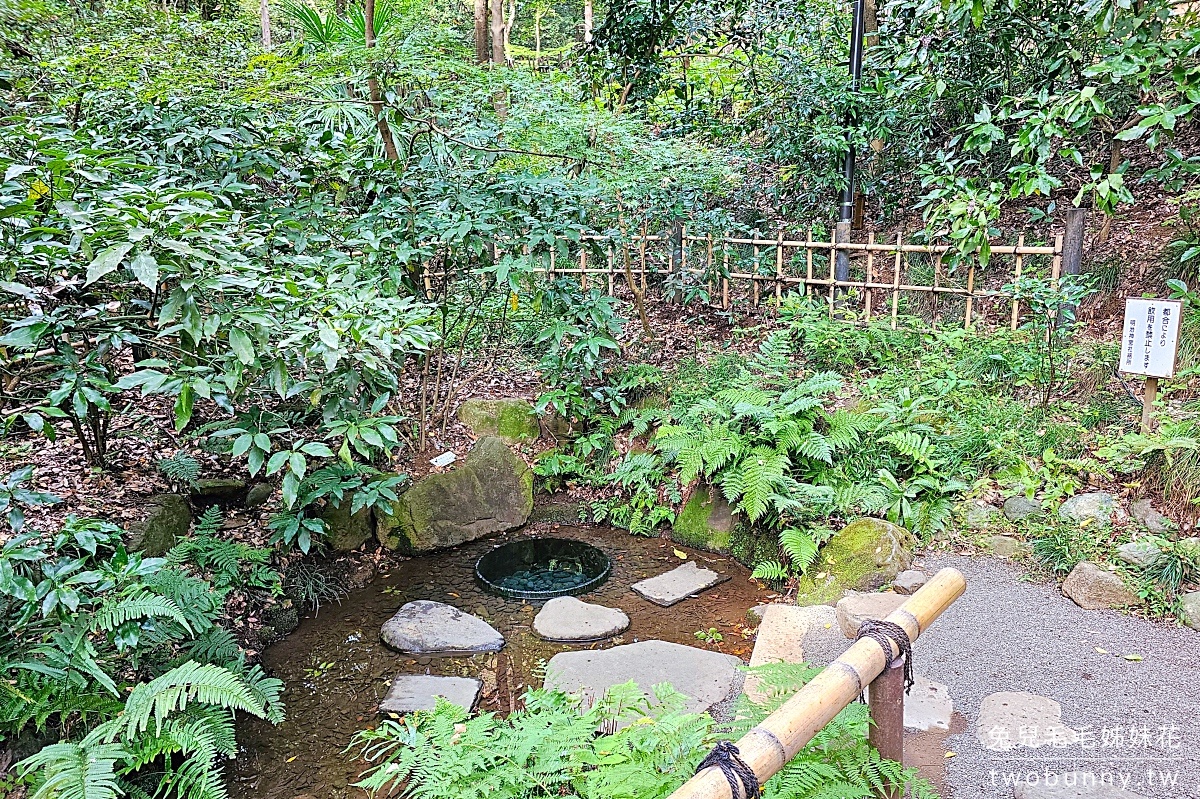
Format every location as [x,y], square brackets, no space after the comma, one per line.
[768,747]
[737,270]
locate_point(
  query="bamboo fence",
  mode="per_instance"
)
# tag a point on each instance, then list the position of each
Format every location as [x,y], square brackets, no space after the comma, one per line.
[730,270]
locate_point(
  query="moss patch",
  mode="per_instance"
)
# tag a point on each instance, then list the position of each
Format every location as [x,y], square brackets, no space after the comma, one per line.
[864,555]
[704,522]
[511,420]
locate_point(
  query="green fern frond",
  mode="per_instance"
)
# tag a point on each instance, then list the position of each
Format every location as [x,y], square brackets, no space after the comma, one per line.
[85,770]
[141,604]
[800,547]
[171,692]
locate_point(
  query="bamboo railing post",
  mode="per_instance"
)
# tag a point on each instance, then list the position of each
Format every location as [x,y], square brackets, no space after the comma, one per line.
[643,256]
[754,273]
[867,290]
[582,267]
[1056,264]
[970,296]
[683,273]
[808,249]
[779,267]
[708,265]
[777,739]
[896,277]
[611,261]
[833,241]
[1016,304]
[725,273]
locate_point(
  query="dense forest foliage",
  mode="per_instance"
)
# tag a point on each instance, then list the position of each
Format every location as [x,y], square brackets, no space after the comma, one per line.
[218,225]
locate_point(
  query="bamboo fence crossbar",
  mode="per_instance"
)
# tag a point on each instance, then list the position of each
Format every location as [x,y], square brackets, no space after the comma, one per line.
[731,269]
[777,739]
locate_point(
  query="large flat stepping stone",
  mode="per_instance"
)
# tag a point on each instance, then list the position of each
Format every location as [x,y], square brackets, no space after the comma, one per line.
[678,584]
[823,640]
[566,618]
[780,639]
[705,678]
[1072,785]
[412,692]
[435,629]
[854,609]
[1012,719]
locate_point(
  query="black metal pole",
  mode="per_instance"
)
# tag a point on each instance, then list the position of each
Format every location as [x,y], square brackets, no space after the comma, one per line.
[846,212]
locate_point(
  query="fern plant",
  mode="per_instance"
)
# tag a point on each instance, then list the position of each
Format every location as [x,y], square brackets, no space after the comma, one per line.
[647,748]
[181,469]
[226,563]
[183,720]
[798,550]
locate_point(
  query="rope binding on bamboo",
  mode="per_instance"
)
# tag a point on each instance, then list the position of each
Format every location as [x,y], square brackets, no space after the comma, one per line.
[886,633]
[743,782]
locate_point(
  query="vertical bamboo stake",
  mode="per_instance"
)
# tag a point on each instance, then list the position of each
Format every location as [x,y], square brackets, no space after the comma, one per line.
[550,268]
[428,284]
[1016,304]
[754,273]
[683,267]
[779,267]
[582,267]
[611,260]
[1056,264]
[970,296]
[867,290]
[937,271]
[808,249]
[643,256]
[832,261]
[896,277]
[725,275]
[708,264]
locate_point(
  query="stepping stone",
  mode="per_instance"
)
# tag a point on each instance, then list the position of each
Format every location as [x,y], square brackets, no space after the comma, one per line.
[927,706]
[909,581]
[1072,785]
[854,609]
[1012,719]
[706,678]
[435,629]
[780,639]
[566,618]
[412,692]
[678,584]
[823,641]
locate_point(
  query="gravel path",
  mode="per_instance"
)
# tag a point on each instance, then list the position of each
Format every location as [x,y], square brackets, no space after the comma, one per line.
[1005,634]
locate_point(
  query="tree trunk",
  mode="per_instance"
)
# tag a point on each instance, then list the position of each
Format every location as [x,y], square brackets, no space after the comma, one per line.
[385,130]
[510,21]
[537,37]
[264,21]
[481,31]
[1114,163]
[587,21]
[496,8]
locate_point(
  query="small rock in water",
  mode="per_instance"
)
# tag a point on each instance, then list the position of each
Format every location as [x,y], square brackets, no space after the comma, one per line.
[411,692]
[436,629]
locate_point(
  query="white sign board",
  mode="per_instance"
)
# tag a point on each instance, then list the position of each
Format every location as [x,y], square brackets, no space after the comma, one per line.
[1150,337]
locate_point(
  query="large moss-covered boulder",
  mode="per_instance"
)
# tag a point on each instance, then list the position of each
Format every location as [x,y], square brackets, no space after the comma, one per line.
[705,521]
[490,492]
[167,519]
[347,531]
[511,420]
[864,555]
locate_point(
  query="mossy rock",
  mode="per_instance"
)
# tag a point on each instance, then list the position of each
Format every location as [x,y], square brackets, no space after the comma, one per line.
[751,547]
[705,522]
[863,556]
[168,517]
[511,420]
[347,531]
[490,492]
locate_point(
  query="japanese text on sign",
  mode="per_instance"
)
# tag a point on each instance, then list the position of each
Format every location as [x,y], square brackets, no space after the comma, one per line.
[1150,337]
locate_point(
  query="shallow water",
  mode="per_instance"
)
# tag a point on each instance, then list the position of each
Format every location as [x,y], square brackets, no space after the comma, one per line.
[336,669]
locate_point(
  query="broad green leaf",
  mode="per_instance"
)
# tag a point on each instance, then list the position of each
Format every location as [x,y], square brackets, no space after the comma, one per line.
[145,269]
[242,346]
[108,260]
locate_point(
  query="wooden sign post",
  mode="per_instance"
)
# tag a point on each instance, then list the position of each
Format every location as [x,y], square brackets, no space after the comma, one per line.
[1149,345]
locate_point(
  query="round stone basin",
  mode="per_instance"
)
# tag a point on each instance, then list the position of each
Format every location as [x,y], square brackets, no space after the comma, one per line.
[542,568]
